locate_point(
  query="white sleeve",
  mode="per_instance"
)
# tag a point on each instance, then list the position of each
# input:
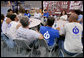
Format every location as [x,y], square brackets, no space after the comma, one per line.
[35,34]
[4,27]
[64,29]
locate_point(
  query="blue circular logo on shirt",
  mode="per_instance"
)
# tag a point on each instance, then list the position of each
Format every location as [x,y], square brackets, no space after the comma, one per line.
[75,30]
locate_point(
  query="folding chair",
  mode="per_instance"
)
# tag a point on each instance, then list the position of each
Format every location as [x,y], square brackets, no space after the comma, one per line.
[24,44]
[50,49]
[7,43]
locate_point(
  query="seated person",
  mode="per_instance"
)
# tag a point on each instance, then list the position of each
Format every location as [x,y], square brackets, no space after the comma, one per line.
[5,23]
[11,30]
[73,35]
[60,23]
[49,33]
[46,14]
[10,11]
[27,14]
[37,14]
[24,32]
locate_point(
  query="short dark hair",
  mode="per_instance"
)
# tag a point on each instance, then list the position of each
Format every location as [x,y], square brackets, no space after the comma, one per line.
[45,10]
[2,17]
[10,10]
[24,21]
[26,11]
[8,15]
[64,11]
[12,17]
[50,21]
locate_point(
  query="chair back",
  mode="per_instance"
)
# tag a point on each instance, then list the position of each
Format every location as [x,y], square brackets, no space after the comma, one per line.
[22,43]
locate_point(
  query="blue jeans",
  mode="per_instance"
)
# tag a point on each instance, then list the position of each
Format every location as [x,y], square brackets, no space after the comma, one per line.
[10,43]
[61,46]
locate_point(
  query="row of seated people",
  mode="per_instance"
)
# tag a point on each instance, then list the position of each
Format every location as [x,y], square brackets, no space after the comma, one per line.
[72,32]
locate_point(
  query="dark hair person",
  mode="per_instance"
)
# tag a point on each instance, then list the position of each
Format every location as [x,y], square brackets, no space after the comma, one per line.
[49,33]
[50,21]
[63,13]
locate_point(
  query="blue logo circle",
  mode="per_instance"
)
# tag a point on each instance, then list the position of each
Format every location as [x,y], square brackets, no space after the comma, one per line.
[75,30]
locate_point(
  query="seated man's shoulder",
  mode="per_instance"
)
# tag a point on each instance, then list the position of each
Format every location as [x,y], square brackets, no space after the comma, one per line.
[43,27]
[54,30]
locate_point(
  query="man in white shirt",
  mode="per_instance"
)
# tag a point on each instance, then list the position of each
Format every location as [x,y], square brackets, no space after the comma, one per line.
[5,23]
[60,24]
[5,26]
[11,30]
[37,14]
[73,34]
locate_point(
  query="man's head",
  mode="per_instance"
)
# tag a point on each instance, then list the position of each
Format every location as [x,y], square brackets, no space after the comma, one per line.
[8,15]
[2,17]
[73,17]
[13,17]
[50,21]
[37,10]
[27,11]
[24,21]
[45,11]
[10,11]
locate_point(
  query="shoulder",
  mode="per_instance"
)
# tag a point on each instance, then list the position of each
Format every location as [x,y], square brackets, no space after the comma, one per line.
[68,24]
[31,30]
[54,30]
[79,24]
[47,13]
[42,27]
[24,13]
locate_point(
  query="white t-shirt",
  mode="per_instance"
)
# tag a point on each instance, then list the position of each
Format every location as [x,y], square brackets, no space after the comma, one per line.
[28,34]
[4,26]
[11,30]
[61,24]
[73,34]
[37,15]
[64,17]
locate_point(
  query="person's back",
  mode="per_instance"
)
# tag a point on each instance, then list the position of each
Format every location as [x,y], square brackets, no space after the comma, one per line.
[12,27]
[73,36]
[25,33]
[48,32]
[28,34]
